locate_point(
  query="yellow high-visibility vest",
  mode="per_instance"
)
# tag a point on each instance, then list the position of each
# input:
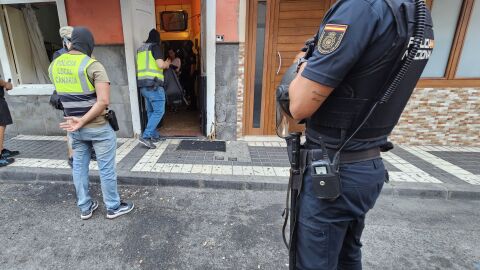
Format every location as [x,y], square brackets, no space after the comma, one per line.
[69,74]
[148,73]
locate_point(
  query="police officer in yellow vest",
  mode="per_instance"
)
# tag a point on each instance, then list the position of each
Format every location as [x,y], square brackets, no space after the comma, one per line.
[150,66]
[84,89]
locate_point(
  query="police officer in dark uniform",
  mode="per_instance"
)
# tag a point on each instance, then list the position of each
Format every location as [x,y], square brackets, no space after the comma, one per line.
[357,58]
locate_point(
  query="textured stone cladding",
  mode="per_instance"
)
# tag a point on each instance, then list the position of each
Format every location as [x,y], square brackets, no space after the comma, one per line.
[241,88]
[226,87]
[32,115]
[436,116]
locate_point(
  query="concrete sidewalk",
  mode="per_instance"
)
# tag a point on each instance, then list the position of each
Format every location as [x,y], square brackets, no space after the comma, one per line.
[255,163]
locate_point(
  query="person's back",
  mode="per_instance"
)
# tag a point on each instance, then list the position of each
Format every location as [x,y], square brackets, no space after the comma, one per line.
[150,80]
[84,88]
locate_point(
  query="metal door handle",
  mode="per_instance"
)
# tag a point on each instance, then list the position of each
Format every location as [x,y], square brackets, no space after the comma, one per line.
[280,62]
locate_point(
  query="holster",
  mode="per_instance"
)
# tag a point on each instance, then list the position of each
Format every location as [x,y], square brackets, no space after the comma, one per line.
[112,119]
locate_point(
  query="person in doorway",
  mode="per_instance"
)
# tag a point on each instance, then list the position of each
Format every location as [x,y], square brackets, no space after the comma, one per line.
[188,73]
[66,36]
[6,156]
[176,62]
[150,66]
[84,89]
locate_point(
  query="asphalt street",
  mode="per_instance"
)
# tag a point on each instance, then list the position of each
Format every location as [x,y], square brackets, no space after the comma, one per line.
[185,228]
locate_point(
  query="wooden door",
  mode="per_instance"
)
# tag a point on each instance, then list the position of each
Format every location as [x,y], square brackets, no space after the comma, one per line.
[289,23]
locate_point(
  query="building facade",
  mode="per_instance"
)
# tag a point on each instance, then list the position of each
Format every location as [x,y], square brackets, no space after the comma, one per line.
[243,48]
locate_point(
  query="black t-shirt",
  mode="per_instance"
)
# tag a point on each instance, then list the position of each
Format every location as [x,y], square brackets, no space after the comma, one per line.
[190,59]
[156,51]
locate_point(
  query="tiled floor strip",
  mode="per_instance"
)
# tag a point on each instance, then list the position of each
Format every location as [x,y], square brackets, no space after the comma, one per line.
[444,165]
[149,160]
[122,151]
[408,172]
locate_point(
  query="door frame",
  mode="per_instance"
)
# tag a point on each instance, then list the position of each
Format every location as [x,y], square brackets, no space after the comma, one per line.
[250,46]
[267,123]
[130,51]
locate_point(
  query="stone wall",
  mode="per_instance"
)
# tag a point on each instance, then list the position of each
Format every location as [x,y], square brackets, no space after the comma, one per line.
[113,58]
[32,115]
[449,116]
[226,88]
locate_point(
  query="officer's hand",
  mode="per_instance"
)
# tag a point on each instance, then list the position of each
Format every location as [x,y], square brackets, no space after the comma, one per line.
[72,124]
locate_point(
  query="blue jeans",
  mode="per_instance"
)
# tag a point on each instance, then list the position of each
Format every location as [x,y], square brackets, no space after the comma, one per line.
[155,106]
[328,232]
[104,142]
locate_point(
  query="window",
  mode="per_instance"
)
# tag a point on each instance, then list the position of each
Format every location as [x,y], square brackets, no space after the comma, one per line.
[28,38]
[454,61]
[469,65]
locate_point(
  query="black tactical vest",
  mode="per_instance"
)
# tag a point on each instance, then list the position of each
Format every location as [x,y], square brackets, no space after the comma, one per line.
[349,103]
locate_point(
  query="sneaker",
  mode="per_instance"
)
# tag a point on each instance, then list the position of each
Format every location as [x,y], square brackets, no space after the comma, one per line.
[8,154]
[124,208]
[147,142]
[70,162]
[156,140]
[4,161]
[88,214]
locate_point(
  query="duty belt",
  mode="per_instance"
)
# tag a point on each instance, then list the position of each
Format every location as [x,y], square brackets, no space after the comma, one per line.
[351,157]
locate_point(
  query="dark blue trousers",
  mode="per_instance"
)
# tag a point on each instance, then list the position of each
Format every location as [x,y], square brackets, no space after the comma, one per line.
[329,232]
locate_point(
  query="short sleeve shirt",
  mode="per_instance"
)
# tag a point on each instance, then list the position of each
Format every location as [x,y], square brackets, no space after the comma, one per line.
[96,73]
[354,33]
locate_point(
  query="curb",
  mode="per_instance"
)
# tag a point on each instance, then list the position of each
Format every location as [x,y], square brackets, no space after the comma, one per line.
[397,189]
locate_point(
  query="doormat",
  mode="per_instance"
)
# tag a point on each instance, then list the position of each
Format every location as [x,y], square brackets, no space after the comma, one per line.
[191,145]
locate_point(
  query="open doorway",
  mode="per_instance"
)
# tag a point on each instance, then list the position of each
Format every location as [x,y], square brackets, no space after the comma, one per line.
[178,22]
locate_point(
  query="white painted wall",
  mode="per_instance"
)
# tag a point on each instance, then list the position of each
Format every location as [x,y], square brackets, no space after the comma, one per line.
[210,41]
[242,20]
[138,18]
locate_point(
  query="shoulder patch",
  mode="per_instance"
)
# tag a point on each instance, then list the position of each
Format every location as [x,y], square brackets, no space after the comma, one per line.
[331,38]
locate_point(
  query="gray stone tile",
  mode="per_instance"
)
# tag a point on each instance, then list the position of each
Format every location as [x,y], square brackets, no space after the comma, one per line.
[428,167]
[467,161]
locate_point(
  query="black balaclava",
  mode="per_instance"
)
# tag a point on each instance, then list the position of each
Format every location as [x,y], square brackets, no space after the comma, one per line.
[82,40]
[153,37]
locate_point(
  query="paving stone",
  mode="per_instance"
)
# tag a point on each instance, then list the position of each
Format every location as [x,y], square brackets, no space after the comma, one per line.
[467,161]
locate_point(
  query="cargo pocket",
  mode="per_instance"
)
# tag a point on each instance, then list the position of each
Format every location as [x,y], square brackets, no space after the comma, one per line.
[313,245]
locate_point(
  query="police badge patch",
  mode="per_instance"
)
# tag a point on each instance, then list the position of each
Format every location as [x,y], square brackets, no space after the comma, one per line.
[331,38]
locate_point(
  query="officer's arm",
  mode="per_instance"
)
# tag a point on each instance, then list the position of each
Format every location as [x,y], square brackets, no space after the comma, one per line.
[306,96]
[163,64]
